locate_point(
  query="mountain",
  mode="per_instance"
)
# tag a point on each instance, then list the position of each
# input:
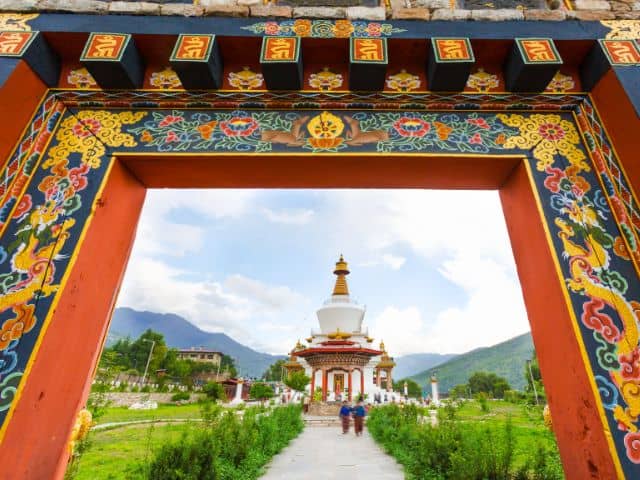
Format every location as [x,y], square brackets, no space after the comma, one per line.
[506,359]
[408,365]
[180,333]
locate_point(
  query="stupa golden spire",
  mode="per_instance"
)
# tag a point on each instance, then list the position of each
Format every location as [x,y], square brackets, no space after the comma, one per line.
[341,271]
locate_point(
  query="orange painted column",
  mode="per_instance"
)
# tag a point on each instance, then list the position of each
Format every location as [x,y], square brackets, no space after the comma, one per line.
[621,123]
[362,383]
[325,375]
[313,382]
[580,433]
[350,385]
[19,97]
[35,443]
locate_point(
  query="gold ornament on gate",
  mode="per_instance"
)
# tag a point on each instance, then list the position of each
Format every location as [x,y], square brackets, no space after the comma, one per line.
[325,130]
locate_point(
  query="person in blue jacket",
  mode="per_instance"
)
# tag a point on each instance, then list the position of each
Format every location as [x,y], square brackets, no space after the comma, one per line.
[345,416]
[358,417]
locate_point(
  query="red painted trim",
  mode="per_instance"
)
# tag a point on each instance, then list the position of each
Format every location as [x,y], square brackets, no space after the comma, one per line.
[580,434]
[35,443]
[308,352]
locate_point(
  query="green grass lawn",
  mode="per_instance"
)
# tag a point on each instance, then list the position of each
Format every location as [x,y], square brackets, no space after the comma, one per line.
[123,414]
[116,454]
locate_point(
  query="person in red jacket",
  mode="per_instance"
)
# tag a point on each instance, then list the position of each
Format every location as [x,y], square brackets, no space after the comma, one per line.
[345,416]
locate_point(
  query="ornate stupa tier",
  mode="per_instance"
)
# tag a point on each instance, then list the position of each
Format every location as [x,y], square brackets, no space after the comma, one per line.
[340,313]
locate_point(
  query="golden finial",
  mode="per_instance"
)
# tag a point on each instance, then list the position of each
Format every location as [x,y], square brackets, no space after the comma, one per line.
[299,346]
[382,346]
[342,270]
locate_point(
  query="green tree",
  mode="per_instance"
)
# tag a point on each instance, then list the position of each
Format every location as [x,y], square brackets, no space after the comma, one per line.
[459,391]
[488,383]
[297,381]
[214,391]
[260,391]
[413,388]
[274,372]
[228,365]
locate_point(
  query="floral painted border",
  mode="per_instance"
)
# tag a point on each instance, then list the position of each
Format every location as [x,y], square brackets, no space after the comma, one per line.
[324,28]
[586,224]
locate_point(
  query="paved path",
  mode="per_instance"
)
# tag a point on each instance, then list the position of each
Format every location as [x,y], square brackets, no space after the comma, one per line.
[324,453]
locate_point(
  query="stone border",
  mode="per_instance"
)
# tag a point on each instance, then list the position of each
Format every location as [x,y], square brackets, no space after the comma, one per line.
[389,9]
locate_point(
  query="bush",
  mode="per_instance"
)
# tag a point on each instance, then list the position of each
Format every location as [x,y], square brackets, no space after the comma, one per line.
[214,391]
[457,450]
[227,447]
[180,397]
[483,400]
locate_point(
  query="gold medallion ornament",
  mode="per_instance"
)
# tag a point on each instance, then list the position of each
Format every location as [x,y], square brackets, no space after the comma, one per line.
[81,78]
[325,130]
[16,22]
[547,135]
[403,82]
[560,83]
[325,80]
[622,29]
[482,81]
[165,79]
[245,79]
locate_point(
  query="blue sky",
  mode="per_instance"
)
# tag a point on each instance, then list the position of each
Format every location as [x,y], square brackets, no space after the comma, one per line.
[434,268]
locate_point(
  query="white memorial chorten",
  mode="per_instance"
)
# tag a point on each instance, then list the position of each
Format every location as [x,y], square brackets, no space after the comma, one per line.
[339,356]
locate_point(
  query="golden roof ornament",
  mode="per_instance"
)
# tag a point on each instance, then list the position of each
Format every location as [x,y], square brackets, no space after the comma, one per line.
[342,270]
[382,346]
[339,335]
[298,346]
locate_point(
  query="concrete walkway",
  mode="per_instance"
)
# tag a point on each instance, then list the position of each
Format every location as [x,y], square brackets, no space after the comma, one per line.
[324,453]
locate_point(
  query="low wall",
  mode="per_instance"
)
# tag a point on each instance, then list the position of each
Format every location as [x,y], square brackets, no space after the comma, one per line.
[126,399]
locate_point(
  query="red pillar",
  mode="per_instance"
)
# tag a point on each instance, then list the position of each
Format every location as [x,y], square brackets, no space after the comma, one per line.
[313,383]
[324,384]
[350,386]
[362,383]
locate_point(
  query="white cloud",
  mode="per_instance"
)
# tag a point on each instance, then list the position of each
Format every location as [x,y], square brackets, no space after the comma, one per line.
[290,216]
[239,306]
[394,261]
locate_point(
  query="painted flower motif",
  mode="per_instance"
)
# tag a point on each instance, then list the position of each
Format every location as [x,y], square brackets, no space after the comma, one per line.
[23,207]
[482,81]
[632,445]
[374,29]
[560,83]
[171,137]
[146,137]
[551,131]
[271,28]
[302,27]
[245,79]
[81,78]
[239,127]
[403,82]
[83,129]
[170,120]
[547,135]
[343,28]
[479,122]
[411,127]
[165,79]
[325,80]
[476,139]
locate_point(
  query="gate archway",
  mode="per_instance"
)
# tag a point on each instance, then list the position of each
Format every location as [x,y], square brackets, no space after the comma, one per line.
[74,185]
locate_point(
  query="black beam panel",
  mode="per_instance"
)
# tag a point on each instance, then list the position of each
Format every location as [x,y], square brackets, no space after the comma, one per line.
[197,61]
[368,60]
[531,64]
[281,61]
[113,60]
[33,49]
[449,64]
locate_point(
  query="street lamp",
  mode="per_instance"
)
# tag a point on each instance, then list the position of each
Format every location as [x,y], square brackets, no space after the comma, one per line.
[153,344]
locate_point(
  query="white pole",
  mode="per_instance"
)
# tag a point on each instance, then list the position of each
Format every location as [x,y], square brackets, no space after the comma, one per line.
[153,344]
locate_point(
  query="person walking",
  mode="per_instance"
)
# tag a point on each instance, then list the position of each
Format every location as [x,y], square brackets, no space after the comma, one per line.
[358,417]
[345,416]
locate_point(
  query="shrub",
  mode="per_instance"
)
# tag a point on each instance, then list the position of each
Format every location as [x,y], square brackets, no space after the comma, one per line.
[214,391]
[483,400]
[457,450]
[180,397]
[226,447]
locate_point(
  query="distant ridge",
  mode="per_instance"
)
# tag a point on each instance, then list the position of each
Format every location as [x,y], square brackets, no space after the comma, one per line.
[506,359]
[180,333]
[413,363]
